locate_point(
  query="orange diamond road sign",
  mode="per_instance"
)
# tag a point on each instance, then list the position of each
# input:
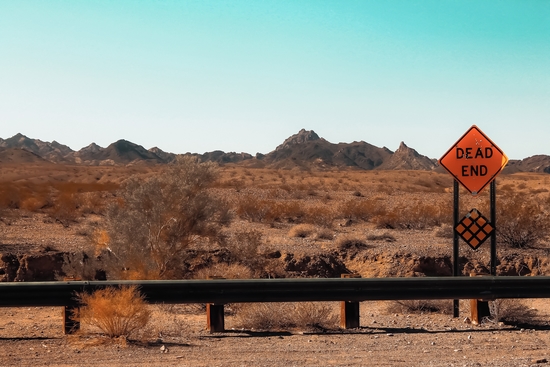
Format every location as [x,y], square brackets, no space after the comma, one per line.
[474,229]
[474,160]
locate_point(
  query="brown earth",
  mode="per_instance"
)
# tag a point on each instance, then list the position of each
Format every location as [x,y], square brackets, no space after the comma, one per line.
[31,244]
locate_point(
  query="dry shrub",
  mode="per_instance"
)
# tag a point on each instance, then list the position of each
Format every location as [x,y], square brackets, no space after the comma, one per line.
[358,209]
[65,208]
[418,215]
[244,246]
[324,234]
[521,222]
[92,203]
[278,316]
[415,306]
[167,320]
[350,242]
[290,211]
[263,316]
[33,204]
[511,311]
[321,215]
[115,311]
[24,196]
[253,209]
[316,315]
[381,237]
[159,219]
[226,271]
[301,230]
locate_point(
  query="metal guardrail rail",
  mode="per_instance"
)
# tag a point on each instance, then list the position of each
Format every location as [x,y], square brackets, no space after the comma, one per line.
[62,293]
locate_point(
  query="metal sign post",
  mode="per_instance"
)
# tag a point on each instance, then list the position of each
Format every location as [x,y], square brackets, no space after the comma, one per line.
[493,196]
[455,241]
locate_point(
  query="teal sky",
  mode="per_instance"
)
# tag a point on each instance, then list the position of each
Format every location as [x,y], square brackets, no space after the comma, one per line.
[196,76]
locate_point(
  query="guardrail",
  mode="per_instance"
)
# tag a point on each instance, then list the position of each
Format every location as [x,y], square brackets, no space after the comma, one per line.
[219,292]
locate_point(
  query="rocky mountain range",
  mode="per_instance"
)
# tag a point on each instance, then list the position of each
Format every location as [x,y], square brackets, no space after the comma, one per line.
[304,150]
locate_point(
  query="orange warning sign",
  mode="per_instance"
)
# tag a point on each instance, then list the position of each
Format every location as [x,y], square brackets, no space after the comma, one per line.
[474,160]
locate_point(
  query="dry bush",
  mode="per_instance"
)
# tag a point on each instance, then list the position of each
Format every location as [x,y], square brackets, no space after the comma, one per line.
[24,196]
[290,211]
[92,203]
[421,306]
[316,315]
[417,215]
[381,237]
[263,316]
[357,209]
[65,208]
[115,311]
[244,246]
[167,320]
[301,230]
[321,215]
[225,271]
[279,316]
[511,311]
[253,209]
[521,222]
[159,219]
[324,234]
[350,242]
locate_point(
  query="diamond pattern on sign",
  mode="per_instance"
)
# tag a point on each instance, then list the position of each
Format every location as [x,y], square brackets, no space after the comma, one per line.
[474,229]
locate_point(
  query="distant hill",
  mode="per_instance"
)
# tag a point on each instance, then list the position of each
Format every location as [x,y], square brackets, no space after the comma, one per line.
[536,163]
[18,156]
[53,151]
[124,152]
[303,150]
[405,158]
[307,150]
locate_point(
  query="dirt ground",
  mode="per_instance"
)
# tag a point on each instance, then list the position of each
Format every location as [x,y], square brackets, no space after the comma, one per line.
[33,337]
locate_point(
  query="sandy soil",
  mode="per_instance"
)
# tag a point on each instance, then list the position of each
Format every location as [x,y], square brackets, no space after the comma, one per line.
[33,337]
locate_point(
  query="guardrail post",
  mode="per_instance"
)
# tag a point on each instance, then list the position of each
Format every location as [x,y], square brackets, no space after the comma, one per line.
[349,310]
[70,325]
[215,321]
[479,308]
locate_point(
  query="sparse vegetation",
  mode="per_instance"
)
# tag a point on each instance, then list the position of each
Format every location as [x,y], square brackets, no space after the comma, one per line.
[421,306]
[301,230]
[281,316]
[512,311]
[520,222]
[158,219]
[116,312]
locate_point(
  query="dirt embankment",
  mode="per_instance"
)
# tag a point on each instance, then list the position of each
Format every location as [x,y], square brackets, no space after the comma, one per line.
[48,266]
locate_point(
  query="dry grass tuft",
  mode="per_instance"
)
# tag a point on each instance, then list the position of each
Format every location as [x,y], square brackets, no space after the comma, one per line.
[324,234]
[350,242]
[117,312]
[301,230]
[279,316]
[420,306]
[511,311]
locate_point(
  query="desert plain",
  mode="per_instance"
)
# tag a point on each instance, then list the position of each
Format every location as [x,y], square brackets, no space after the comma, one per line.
[306,223]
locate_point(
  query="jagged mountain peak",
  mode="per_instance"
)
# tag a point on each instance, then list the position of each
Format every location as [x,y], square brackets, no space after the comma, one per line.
[303,136]
[405,158]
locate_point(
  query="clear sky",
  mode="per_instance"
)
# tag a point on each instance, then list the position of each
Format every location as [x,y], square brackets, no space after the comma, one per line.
[196,76]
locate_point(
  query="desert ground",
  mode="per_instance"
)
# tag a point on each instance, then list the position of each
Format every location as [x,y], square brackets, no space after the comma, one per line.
[306,223]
